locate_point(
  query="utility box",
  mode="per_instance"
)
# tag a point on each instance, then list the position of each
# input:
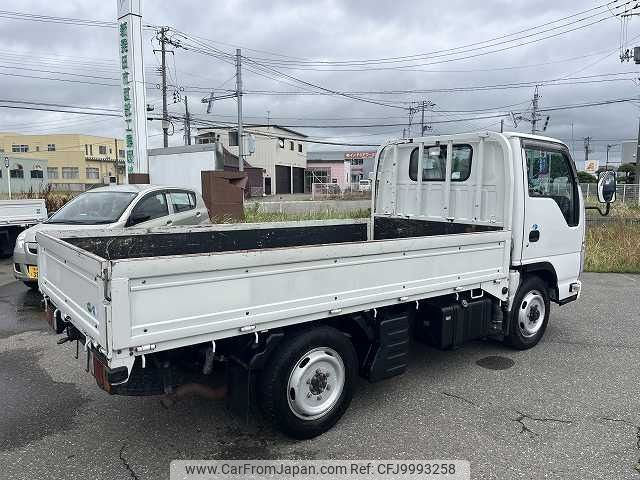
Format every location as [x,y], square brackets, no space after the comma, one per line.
[139,178]
[223,193]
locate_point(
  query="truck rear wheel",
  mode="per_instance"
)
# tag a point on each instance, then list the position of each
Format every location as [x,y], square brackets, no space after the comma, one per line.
[529,314]
[308,383]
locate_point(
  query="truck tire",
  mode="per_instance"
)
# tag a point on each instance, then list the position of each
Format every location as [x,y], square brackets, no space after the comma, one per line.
[529,314]
[308,382]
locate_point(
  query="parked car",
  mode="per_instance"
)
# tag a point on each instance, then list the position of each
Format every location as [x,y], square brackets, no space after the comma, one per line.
[112,207]
[364,185]
[15,216]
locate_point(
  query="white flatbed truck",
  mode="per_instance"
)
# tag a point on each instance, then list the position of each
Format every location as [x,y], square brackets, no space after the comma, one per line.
[16,216]
[470,236]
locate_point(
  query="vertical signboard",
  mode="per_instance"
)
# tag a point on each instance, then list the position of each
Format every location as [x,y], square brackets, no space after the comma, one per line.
[133,91]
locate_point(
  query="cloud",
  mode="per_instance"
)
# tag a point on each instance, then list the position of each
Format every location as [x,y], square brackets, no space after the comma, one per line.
[328,30]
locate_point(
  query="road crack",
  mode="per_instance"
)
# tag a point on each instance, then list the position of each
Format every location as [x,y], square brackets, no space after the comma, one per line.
[453,395]
[523,427]
[125,462]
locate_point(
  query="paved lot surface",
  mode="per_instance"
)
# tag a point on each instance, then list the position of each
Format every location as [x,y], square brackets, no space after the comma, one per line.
[570,408]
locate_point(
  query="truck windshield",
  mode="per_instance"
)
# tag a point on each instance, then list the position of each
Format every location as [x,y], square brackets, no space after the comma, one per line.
[93,208]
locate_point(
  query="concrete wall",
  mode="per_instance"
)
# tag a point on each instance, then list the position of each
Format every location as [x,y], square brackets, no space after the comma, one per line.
[301,207]
[181,166]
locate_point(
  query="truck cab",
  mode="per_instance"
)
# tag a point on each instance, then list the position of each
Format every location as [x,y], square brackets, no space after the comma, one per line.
[523,183]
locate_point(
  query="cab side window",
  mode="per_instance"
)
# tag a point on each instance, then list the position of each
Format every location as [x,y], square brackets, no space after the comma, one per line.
[151,207]
[550,175]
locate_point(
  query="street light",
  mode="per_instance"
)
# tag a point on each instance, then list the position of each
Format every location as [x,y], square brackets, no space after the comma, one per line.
[6,165]
[609,148]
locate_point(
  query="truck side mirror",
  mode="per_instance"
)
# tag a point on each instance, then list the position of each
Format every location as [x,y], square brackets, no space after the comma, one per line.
[607,187]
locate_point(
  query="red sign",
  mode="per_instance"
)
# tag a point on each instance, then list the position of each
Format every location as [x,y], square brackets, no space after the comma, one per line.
[352,155]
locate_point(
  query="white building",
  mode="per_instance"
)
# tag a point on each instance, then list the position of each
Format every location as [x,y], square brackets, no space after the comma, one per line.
[280,152]
[629,152]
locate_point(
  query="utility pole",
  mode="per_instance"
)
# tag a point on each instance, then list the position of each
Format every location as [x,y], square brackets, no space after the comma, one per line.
[637,179]
[534,113]
[587,148]
[187,123]
[239,95]
[162,38]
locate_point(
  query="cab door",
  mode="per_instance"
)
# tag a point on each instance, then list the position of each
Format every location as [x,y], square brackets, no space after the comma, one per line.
[553,229]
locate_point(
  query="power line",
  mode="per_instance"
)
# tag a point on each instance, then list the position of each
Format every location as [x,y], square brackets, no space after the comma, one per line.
[466,47]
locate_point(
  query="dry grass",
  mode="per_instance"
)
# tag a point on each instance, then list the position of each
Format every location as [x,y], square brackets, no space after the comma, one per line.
[54,199]
[613,247]
[254,214]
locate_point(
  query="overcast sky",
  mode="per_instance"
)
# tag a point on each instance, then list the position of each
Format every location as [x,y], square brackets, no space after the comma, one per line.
[329,31]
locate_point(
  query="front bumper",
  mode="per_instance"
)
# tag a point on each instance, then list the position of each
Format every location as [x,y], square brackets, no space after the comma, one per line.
[22,257]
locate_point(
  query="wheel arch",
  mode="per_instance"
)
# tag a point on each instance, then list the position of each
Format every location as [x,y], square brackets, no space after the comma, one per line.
[544,271]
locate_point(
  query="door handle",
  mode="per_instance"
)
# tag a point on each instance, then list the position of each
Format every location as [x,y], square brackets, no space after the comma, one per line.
[534,235]
[198,214]
[169,222]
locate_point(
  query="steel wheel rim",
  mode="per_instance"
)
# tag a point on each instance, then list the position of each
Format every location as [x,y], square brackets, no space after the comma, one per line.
[531,314]
[315,383]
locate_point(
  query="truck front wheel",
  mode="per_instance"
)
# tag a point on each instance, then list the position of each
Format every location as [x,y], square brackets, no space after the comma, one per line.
[529,314]
[308,383]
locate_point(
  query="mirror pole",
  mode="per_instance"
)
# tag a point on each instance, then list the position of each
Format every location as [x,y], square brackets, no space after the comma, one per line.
[606,209]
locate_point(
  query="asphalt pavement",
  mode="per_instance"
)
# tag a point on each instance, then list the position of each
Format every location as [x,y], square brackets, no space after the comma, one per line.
[567,409]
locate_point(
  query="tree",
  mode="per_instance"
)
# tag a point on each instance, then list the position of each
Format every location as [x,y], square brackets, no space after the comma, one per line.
[629,170]
[584,177]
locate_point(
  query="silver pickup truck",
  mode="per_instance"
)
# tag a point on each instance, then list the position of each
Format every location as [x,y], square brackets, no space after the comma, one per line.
[470,236]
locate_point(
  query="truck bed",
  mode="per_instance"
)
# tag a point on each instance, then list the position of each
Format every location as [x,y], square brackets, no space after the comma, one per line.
[136,291]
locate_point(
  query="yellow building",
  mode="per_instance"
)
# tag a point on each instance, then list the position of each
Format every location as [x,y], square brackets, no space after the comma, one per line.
[74,161]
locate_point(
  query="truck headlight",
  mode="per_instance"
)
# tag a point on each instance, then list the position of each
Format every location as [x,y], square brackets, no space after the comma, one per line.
[20,240]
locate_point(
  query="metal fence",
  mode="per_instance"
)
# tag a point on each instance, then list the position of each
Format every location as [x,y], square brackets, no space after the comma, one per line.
[324,191]
[625,193]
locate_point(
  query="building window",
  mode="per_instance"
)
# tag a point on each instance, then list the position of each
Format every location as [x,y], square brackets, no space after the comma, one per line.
[19,148]
[90,149]
[357,161]
[52,172]
[17,172]
[86,149]
[233,138]
[51,147]
[102,149]
[37,173]
[110,150]
[300,147]
[37,148]
[121,153]
[281,142]
[291,146]
[93,173]
[70,172]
